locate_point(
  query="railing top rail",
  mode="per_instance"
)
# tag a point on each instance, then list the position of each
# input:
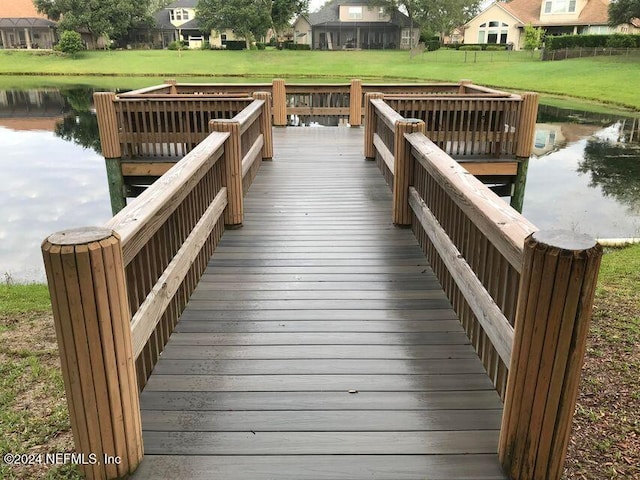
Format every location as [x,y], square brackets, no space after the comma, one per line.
[147,90]
[451,96]
[183,96]
[505,228]
[174,98]
[247,116]
[139,220]
[388,115]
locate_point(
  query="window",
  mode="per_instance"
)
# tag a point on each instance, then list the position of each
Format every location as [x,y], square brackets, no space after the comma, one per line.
[559,6]
[355,13]
[178,15]
[493,32]
[406,37]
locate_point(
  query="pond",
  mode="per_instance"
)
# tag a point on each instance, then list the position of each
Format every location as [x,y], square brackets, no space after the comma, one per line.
[584,173]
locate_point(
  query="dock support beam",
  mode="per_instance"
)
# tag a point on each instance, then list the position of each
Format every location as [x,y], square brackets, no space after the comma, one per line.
[111,150]
[519,184]
[91,313]
[555,299]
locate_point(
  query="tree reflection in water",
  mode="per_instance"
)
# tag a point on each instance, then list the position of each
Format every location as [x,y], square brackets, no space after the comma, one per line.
[80,126]
[615,168]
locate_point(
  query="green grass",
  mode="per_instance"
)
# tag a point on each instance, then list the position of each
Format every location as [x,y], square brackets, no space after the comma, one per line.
[592,78]
[23,298]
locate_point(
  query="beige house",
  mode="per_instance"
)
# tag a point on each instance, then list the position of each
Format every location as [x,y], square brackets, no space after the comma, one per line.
[504,22]
[355,24]
[21,26]
[178,22]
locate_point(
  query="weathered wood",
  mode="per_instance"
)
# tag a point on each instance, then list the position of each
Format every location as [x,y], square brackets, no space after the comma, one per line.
[265,124]
[279,103]
[253,155]
[152,309]
[355,103]
[107,124]
[519,185]
[323,467]
[232,169]
[115,180]
[370,124]
[403,169]
[491,168]
[144,169]
[505,228]
[494,323]
[91,316]
[527,124]
[147,213]
[554,308]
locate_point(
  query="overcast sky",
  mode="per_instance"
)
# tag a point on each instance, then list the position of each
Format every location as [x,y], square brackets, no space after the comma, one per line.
[315,4]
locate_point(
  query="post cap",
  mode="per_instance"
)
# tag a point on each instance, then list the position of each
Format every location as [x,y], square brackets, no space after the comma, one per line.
[565,239]
[80,236]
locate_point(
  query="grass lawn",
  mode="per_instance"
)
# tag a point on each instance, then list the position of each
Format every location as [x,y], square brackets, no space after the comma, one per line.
[605,442]
[606,79]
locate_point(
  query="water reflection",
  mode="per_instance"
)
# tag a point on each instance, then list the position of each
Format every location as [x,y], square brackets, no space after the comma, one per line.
[584,173]
[49,183]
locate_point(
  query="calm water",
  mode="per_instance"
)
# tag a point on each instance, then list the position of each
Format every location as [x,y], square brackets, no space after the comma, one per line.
[584,175]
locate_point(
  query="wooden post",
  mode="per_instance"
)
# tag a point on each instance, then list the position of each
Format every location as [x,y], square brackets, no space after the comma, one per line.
[85,272]
[279,103]
[116,184]
[527,124]
[107,124]
[172,86]
[463,84]
[519,184]
[232,179]
[265,124]
[370,124]
[557,286]
[355,103]
[403,169]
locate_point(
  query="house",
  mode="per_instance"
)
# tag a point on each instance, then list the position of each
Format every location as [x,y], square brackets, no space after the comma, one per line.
[355,24]
[178,22]
[504,22]
[21,26]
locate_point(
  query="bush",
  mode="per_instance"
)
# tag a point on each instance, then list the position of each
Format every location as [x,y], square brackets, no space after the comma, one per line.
[592,41]
[622,41]
[296,46]
[236,44]
[70,43]
[205,46]
[472,48]
[176,45]
[260,46]
[496,48]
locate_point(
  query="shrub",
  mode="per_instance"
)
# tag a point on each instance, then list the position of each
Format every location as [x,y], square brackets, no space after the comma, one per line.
[236,44]
[70,43]
[532,37]
[175,45]
[205,46]
[260,46]
[496,48]
[592,41]
[621,41]
[472,48]
[296,46]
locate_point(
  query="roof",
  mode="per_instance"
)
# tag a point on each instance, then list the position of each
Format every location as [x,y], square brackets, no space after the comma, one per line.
[595,12]
[26,22]
[163,21]
[183,4]
[329,14]
[19,9]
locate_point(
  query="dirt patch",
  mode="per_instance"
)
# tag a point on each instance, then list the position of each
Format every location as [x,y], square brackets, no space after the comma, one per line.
[605,441]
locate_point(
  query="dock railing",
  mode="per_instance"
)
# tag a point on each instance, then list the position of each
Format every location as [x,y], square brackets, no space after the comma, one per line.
[117,290]
[524,297]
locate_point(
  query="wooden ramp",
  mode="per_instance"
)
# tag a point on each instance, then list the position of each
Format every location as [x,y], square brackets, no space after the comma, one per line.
[319,344]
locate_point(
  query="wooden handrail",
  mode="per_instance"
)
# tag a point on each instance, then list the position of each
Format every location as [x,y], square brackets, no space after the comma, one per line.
[249,115]
[387,114]
[141,219]
[501,224]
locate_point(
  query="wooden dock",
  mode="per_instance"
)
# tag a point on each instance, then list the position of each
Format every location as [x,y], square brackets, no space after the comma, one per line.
[319,344]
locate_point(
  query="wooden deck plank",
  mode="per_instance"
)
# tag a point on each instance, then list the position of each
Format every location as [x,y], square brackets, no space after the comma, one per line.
[322,467]
[319,344]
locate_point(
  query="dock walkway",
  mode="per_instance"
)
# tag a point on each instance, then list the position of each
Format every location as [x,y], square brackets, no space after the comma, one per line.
[319,344]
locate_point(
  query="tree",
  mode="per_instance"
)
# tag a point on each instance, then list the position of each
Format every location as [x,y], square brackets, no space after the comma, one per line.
[532,37]
[623,11]
[435,17]
[70,43]
[247,18]
[107,18]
